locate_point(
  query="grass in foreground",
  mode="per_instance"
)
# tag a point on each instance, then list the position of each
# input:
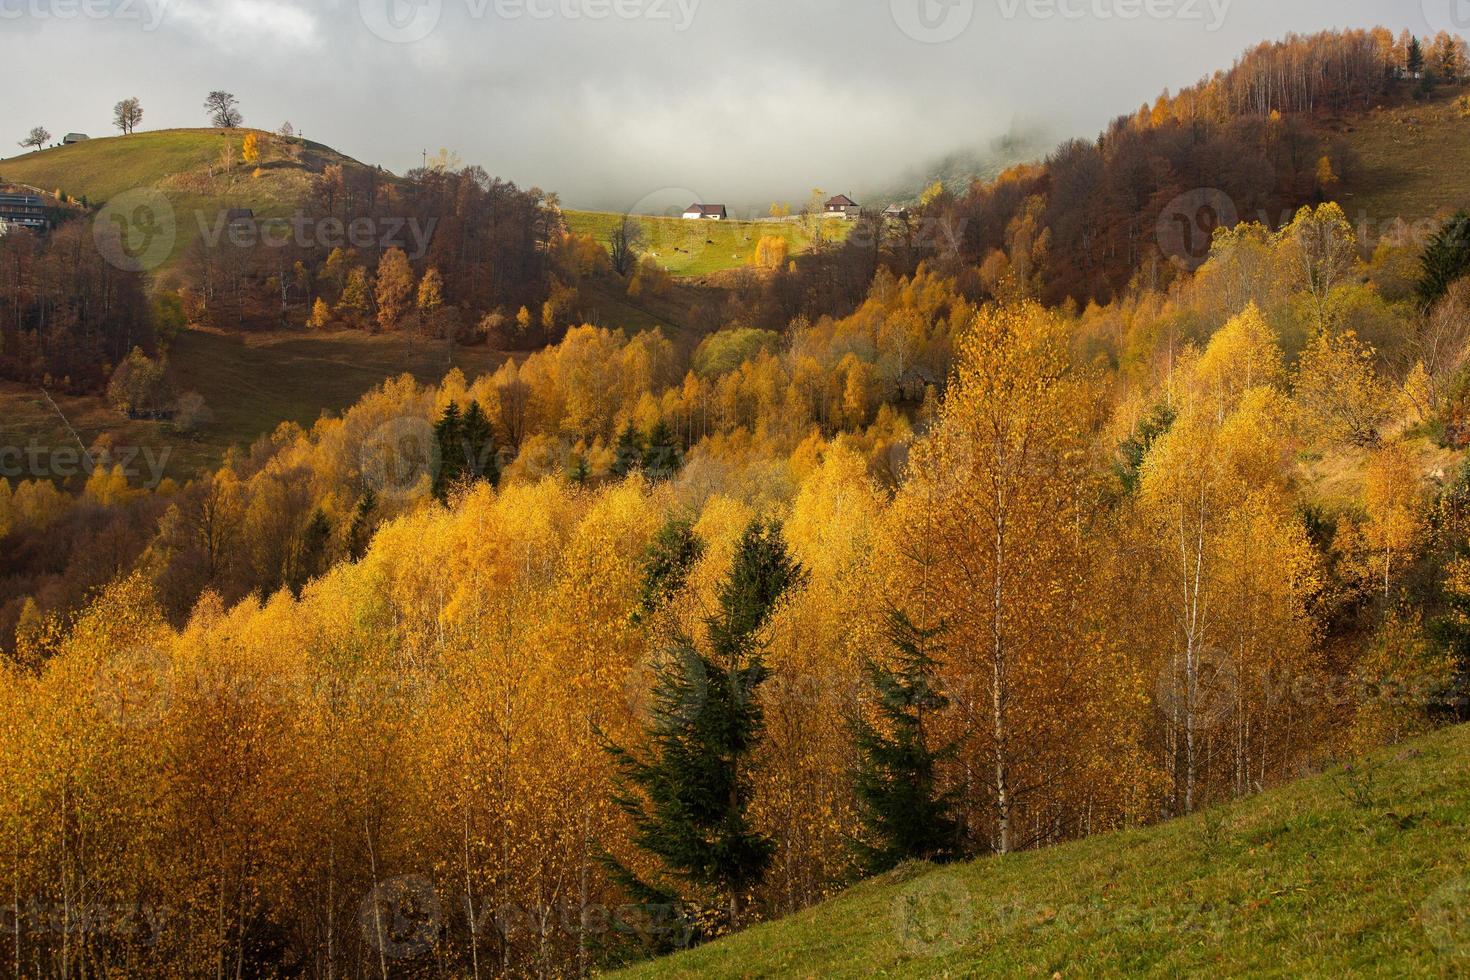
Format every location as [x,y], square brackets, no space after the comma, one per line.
[1362,871]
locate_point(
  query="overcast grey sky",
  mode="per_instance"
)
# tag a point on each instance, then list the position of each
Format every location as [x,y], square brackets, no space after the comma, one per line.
[607,101]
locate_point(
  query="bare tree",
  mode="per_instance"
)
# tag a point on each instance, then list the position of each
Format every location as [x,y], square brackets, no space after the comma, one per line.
[38,137]
[623,245]
[127,114]
[224,109]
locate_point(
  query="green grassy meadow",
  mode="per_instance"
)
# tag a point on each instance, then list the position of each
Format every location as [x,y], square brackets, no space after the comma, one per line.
[1361,871]
[700,248]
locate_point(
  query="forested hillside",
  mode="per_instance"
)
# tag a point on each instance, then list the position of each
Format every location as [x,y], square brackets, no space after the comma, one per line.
[978,532]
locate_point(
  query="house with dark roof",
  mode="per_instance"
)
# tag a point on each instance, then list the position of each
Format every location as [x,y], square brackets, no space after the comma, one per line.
[706,212]
[71,138]
[22,211]
[842,206]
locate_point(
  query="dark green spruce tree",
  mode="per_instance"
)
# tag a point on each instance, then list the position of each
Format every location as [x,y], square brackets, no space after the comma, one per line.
[688,792]
[666,565]
[480,462]
[360,533]
[628,453]
[661,457]
[448,438]
[1446,258]
[905,815]
[1415,58]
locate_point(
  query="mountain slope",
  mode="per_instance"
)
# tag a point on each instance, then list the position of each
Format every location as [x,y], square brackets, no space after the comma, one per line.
[186,167]
[1362,870]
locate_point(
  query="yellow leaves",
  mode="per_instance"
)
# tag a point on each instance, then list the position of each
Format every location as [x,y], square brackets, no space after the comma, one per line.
[1339,392]
[1241,355]
[1393,497]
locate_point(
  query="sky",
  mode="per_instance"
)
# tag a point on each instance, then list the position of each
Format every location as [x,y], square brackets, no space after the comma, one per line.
[634,104]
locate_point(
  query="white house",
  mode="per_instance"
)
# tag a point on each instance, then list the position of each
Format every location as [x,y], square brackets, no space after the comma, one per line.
[705,212]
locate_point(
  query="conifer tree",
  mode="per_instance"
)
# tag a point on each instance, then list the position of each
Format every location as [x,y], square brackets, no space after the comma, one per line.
[688,796]
[478,446]
[902,809]
[449,437]
[1415,58]
[661,457]
[1446,258]
[360,533]
[628,454]
[666,565]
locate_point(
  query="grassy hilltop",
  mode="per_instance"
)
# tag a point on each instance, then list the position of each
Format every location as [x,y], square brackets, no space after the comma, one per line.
[1359,871]
[185,166]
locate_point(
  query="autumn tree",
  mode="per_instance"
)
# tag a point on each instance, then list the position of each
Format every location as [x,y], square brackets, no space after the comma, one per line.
[431,291]
[395,287]
[223,109]
[1392,496]
[1339,391]
[623,243]
[356,300]
[1320,250]
[127,114]
[986,541]
[250,149]
[38,137]
[321,315]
